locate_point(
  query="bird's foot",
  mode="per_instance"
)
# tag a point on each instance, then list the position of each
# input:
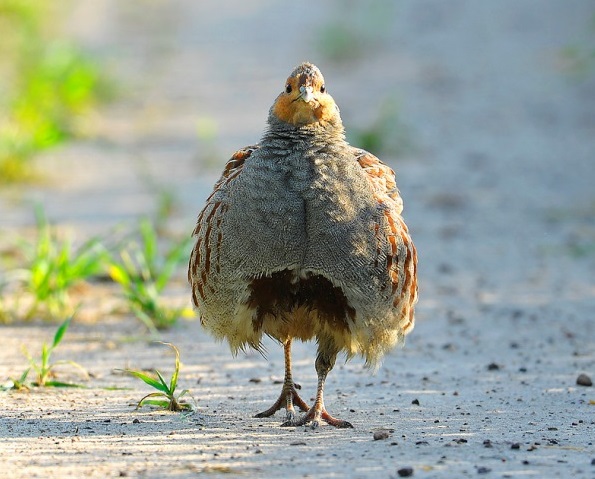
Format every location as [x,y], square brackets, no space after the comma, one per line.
[314,416]
[288,397]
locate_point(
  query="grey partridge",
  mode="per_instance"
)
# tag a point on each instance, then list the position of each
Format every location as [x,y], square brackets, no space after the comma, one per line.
[303,238]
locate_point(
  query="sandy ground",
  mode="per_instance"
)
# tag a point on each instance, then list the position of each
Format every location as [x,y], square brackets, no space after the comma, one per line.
[498,190]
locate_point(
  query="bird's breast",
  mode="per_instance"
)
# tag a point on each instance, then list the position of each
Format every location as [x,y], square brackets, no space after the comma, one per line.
[308,211]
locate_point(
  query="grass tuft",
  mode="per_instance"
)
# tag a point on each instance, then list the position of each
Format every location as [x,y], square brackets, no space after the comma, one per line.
[142,272]
[165,397]
[54,267]
[44,367]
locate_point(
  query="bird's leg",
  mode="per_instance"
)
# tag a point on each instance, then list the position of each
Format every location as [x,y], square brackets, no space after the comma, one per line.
[289,395]
[324,363]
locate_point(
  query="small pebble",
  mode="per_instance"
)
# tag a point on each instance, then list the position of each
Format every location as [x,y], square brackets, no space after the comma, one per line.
[493,367]
[483,470]
[584,380]
[380,435]
[405,472]
[516,445]
[415,401]
[135,421]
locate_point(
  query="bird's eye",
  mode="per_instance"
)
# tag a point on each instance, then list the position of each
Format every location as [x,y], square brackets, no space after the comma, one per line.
[322,89]
[288,88]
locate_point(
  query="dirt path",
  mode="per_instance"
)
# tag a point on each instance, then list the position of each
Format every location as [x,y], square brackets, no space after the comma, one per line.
[498,194]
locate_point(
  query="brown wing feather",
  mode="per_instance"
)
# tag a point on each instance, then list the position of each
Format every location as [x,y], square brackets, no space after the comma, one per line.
[403,277]
[208,228]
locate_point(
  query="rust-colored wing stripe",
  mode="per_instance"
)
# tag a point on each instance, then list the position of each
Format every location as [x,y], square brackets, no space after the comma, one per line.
[208,234]
[401,258]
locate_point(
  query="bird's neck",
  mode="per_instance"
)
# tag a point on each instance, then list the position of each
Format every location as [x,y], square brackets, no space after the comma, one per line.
[311,135]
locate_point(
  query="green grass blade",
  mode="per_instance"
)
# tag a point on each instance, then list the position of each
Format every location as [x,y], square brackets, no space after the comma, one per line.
[127,262]
[149,238]
[23,377]
[174,377]
[143,265]
[163,404]
[184,393]
[18,384]
[63,264]
[150,395]
[164,383]
[32,362]
[60,332]
[149,380]
[45,356]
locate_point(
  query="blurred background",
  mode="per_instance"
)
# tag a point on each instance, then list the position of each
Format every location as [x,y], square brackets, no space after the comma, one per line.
[111,111]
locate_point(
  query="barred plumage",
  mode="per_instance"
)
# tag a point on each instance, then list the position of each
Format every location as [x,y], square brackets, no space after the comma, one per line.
[303,238]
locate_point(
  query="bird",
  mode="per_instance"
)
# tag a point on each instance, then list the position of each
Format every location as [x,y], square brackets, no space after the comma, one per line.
[303,239]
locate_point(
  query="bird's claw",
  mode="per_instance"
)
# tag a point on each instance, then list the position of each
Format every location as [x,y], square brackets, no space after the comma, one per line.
[314,418]
[343,425]
[288,398]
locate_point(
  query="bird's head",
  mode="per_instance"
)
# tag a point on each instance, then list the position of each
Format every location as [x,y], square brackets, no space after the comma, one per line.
[304,100]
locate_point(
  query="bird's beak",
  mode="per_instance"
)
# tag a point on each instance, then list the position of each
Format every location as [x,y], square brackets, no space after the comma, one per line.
[306,93]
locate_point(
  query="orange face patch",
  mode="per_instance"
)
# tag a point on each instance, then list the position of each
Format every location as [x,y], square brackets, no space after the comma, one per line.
[291,108]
